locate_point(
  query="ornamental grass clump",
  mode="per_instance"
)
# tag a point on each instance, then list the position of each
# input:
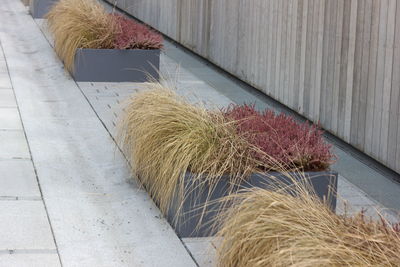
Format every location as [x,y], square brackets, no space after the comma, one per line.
[80,24]
[86,24]
[294,145]
[165,137]
[265,228]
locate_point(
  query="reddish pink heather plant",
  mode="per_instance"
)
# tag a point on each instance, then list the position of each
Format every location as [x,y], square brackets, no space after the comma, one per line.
[292,144]
[134,35]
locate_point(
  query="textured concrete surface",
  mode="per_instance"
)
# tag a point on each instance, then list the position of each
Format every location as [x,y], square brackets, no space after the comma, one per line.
[203,250]
[7,97]
[9,119]
[27,226]
[30,259]
[98,217]
[13,145]
[18,179]
[26,237]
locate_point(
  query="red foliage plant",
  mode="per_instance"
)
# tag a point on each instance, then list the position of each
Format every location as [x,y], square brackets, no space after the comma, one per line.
[292,144]
[134,35]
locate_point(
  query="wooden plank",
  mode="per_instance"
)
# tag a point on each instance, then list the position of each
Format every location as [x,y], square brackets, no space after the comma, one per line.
[271,30]
[260,52]
[330,70]
[266,38]
[324,66]
[205,34]
[282,51]
[344,69]
[288,54]
[350,69]
[254,56]
[338,53]
[362,107]
[298,54]
[357,72]
[372,76]
[317,84]
[243,38]
[278,50]
[308,66]
[256,53]
[380,75]
[394,125]
[230,45]
[314,46]
[387,82]
[274,55]
[303,59]
[397,167]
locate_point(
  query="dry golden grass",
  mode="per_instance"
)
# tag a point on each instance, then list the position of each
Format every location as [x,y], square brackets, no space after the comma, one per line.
[80,24]
[268,228]
[164,137]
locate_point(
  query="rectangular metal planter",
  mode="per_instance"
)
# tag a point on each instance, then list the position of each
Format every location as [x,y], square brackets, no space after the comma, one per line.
[39,8]
[194,221]
[114,65]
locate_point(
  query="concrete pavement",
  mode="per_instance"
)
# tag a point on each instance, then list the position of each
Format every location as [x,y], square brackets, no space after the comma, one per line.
[26,238]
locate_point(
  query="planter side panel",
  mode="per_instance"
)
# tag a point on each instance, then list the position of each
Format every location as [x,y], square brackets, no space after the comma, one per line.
[196,221]
[113,65]
[39,8]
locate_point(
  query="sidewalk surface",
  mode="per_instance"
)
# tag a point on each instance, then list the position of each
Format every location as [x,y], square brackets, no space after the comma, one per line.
[67,197]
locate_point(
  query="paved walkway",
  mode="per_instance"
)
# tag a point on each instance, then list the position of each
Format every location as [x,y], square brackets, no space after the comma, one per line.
[98,218]
[67,198]
[26,237]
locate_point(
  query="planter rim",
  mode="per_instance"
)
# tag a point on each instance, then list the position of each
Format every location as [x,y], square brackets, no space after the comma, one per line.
[309,174]
[116,49]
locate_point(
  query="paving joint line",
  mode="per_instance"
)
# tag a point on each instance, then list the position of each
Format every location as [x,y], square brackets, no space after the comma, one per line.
[23,198]
[28,251]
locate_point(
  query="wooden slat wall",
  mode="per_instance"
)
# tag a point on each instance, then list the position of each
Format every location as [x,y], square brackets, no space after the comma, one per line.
[336,62]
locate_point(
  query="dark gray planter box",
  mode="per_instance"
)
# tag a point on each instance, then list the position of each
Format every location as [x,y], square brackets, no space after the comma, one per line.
[39,8]
[114,65]
[194,221]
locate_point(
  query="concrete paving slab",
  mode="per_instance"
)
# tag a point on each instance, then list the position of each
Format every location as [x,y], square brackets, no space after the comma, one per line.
[13,145]
[352,200]
[201,245]
[24,225]
[3,69]
[29,260]
[4,78]
[123,221]
[202,250]
[18,179]
[204,260]
[9,119]
[7,98]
